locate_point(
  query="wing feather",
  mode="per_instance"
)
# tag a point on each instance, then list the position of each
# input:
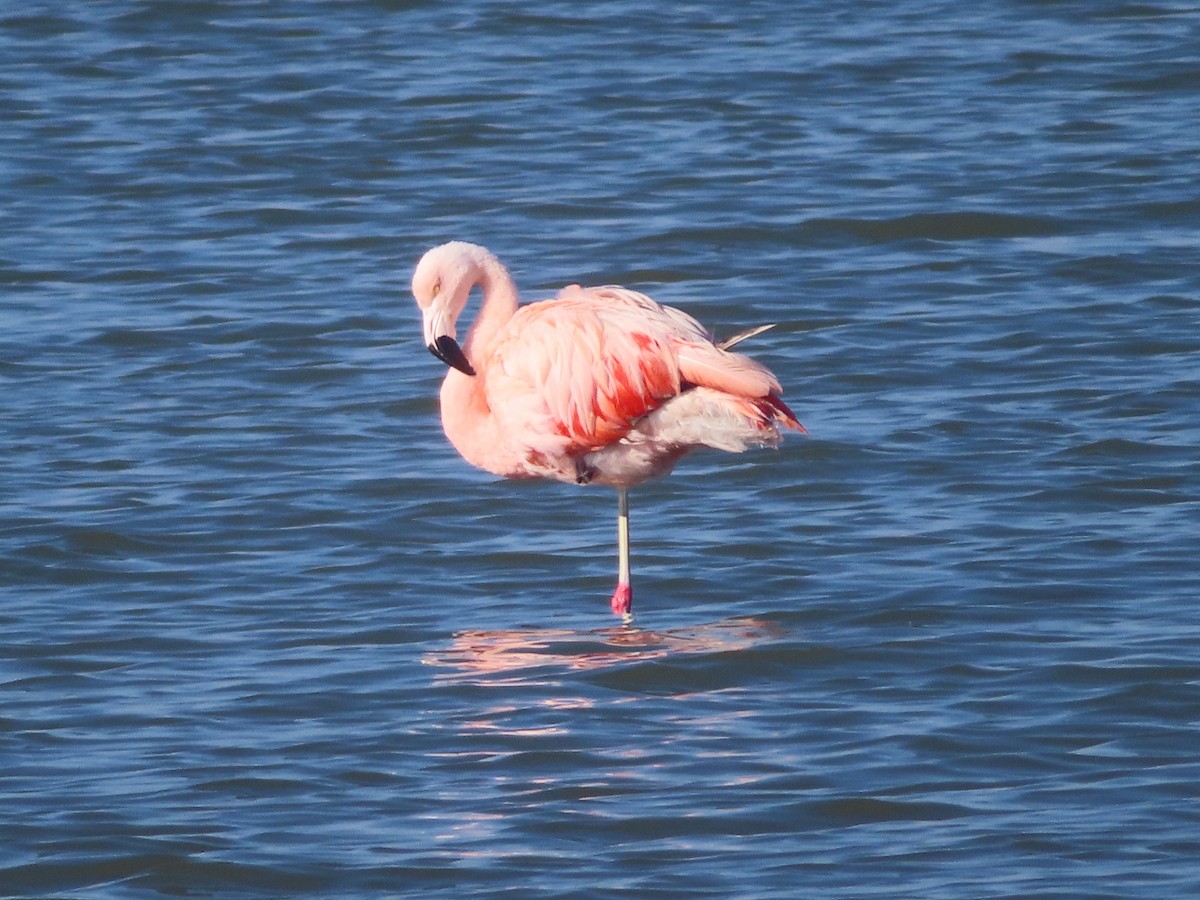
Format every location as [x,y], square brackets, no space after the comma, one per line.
[571,370]
[576,373]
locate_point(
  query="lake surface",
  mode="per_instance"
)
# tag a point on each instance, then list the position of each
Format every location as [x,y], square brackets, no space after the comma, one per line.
[264,634]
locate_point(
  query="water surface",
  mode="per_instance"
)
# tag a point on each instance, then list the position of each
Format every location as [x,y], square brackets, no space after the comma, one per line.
[262,633]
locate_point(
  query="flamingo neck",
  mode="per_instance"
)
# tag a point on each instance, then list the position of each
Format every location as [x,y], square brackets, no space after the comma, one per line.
[498,306]
[466,416]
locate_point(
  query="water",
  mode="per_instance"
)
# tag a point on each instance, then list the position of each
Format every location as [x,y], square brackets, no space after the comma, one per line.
[264,634]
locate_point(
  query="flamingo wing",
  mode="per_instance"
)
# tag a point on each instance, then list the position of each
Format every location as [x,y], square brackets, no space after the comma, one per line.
[702,361]
[569,376]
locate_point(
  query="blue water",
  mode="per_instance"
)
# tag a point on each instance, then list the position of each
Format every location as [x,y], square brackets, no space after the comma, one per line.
[264,634]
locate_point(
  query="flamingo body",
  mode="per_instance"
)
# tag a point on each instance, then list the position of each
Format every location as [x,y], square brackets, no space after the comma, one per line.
[598,385]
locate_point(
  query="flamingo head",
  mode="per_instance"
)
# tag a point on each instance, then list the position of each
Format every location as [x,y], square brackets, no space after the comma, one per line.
[441,284]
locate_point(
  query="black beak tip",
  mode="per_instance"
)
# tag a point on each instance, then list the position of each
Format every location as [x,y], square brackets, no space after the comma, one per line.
[447,350]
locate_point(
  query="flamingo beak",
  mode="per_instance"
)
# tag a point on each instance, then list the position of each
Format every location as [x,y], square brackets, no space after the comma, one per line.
[439,338]
[447,350]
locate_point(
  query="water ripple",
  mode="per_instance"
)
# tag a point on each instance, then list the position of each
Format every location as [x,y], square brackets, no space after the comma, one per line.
[264,634]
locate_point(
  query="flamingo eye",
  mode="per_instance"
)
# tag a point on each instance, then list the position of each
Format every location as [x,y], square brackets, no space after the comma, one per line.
[437,288]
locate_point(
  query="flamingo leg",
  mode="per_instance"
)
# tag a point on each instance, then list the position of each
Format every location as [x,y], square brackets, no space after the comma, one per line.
[622,598]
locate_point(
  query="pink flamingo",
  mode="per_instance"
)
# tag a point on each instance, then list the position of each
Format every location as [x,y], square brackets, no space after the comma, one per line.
[599,385]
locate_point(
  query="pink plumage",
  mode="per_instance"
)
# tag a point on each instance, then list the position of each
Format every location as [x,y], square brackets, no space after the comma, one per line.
[598,385]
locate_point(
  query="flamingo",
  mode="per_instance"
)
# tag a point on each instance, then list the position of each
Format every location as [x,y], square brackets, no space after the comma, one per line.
[599,385]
